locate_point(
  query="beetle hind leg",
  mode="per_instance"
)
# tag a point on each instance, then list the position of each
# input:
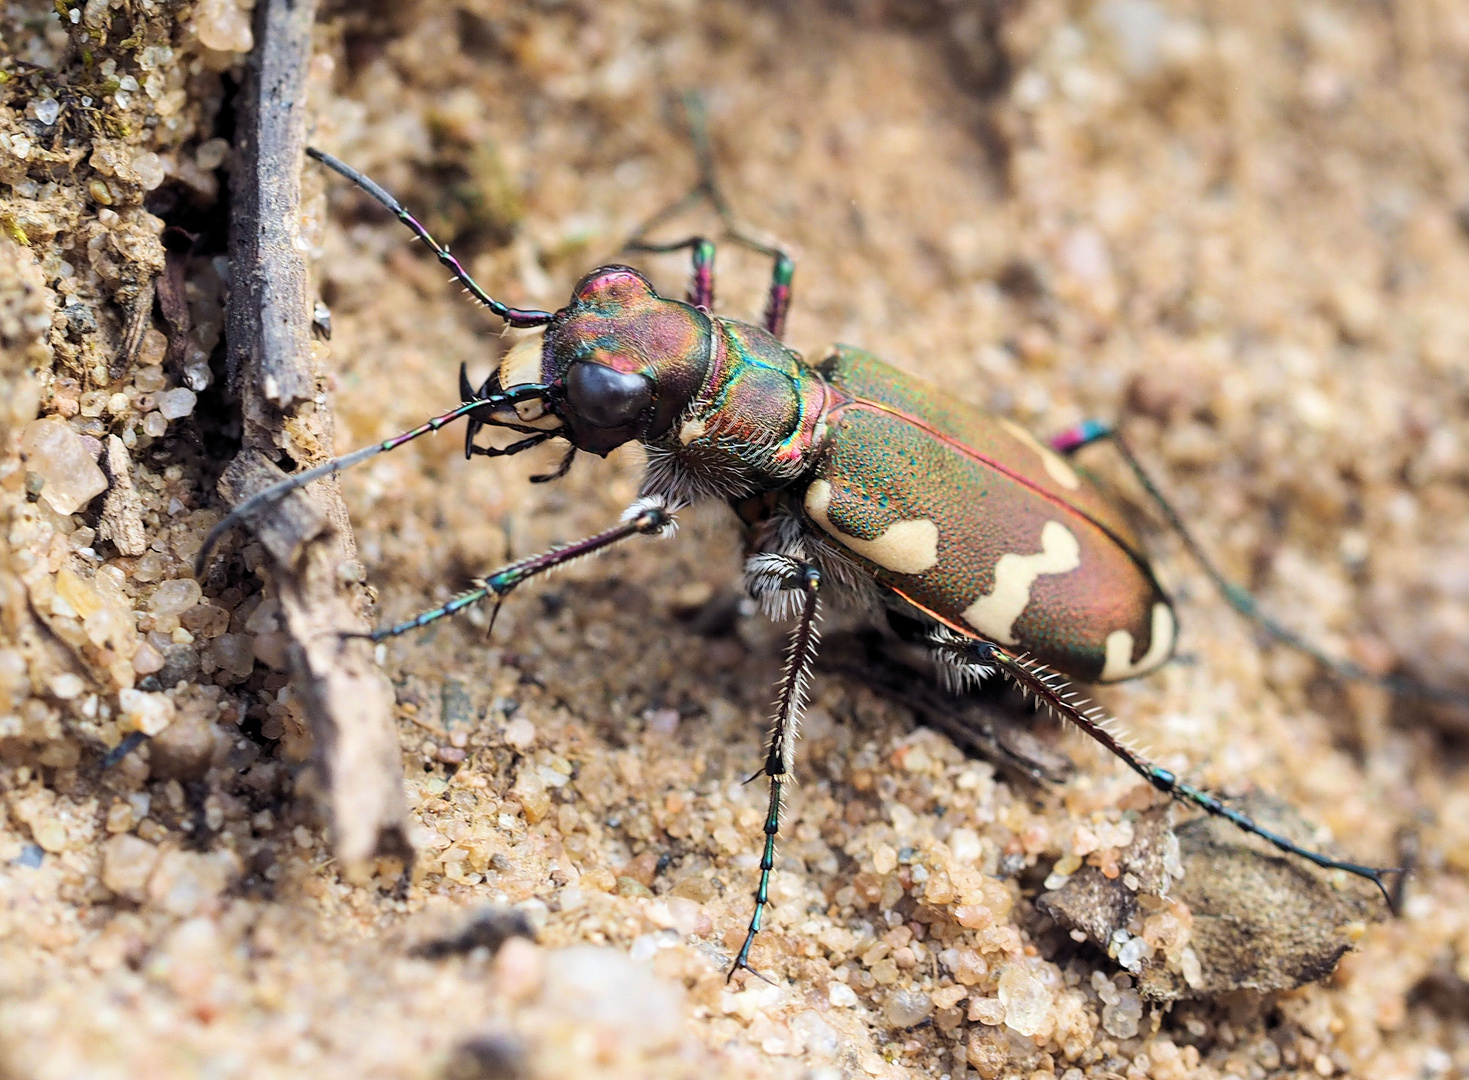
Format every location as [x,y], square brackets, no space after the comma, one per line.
[764,575]
[1052,689]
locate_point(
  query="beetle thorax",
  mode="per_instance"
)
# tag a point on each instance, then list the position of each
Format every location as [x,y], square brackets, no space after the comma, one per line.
[755,425]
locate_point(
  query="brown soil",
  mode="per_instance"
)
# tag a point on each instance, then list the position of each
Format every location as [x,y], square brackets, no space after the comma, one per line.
[1240,228]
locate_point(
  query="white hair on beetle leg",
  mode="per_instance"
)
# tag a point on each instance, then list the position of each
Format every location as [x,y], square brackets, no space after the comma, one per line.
[644,503]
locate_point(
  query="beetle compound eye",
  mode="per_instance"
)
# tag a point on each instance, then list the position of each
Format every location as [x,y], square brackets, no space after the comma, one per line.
[605,397]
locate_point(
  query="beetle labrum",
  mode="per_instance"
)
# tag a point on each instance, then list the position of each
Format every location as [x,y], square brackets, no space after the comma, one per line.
[853,481]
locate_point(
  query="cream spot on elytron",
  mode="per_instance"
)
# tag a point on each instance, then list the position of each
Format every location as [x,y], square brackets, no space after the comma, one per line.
[691,430]
[994,615]
[1060,472]
[905,547]
[1118,663]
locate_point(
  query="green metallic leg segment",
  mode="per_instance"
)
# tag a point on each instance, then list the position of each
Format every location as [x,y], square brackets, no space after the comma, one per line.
[780,755]
[701,288]
[645,517]
[1051,689]
[1091,431]
[706,188]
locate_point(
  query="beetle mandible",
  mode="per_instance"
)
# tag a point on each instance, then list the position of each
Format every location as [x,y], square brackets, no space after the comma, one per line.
[854,482]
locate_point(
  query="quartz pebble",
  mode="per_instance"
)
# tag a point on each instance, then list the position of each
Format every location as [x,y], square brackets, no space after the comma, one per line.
[223,27]
[127,863]
[175,597]
[176,403]
[905,1008]
[143,711]
[520,734]
[148,167]
[58,456]
[1027,1001]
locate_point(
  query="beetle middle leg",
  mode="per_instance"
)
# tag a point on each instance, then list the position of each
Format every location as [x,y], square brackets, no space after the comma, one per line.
[645,517]
[769,578]
[978,659]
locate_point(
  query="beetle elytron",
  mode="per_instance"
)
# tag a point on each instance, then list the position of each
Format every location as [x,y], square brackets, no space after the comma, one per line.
[853,480]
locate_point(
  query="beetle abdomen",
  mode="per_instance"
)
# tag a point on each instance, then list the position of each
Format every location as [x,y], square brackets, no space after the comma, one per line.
[971,519]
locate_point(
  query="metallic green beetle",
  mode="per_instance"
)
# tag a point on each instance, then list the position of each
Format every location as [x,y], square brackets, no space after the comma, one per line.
[854,481]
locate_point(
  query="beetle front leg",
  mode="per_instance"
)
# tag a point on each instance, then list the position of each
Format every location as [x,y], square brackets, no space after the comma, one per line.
[646,517]
[766,576]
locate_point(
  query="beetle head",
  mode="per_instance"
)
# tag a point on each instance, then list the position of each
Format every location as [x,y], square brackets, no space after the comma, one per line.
[621,362]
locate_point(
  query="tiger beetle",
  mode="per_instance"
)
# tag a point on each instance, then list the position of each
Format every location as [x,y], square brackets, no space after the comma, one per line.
[853,481]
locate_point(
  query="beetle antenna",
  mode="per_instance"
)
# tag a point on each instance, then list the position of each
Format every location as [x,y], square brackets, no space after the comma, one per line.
[519,317]
[1236,596]
[278,491]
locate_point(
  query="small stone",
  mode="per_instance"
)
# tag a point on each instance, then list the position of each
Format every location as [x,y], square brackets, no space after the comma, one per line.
[965,846]
[143,711]
[1026,1000]
[186,883]
[149,379]
[205,620]
[176,403]
[184,750]
[47,110]
[66,686]
[155,426]
[223,27]
[147,659]
[175,597]
[841,995]
[180,664]
[56,453]
[905,1008]
[148,167]
[234,653]
[520,734]
[987,1010]
[1131,954]
[884,859]
[127,863]
[49,834]
[1121,1020]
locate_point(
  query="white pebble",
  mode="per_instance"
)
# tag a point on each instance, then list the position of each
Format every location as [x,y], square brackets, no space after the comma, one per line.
[1131,954]
[66,685]
[520,734]
[175,597]
[904,1008]
[1027,1001]
[177,403]
[142,711]
[841,995]
[58,455]
[48,110]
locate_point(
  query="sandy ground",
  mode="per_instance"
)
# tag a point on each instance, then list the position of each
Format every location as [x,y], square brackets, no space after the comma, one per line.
[1238,227]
